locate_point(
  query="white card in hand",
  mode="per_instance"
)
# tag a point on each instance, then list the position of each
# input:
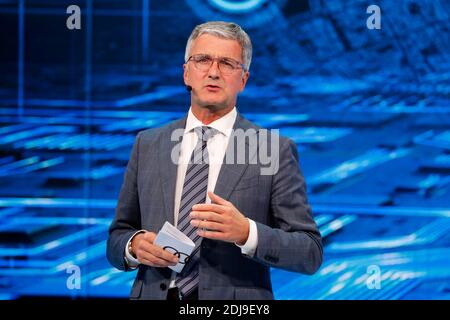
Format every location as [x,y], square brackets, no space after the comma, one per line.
[173,240]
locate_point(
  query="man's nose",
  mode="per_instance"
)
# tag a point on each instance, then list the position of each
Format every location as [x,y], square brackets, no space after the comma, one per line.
[214,71]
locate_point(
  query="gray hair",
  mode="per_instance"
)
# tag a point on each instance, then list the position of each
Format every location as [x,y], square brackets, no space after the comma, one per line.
[224,30]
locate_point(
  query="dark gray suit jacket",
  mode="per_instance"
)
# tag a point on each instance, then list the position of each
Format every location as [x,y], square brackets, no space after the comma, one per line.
[288,237]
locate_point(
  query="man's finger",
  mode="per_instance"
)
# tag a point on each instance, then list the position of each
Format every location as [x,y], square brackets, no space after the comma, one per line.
[154,262]
[216,199]
[211,235]
[219,208]
[206,215]
[151,257]
[213,226]
[166,255]
[159,252]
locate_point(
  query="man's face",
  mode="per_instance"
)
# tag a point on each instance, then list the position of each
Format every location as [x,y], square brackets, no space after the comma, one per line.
[212,88]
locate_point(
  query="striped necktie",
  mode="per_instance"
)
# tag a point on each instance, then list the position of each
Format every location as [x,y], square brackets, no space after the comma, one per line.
[194,191]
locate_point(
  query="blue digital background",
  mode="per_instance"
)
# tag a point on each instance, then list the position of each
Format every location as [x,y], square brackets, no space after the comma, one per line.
[368,109]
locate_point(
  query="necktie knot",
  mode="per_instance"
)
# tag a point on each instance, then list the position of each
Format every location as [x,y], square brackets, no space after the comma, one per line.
[204,132]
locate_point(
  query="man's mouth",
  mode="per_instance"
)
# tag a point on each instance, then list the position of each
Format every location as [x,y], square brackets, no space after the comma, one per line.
[212,87]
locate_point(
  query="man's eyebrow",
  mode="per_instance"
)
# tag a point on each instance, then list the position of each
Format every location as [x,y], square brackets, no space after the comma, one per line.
[229,58]
[210,55]
[233,59]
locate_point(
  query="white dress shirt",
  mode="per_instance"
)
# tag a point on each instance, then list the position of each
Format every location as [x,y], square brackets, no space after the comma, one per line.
[217,146]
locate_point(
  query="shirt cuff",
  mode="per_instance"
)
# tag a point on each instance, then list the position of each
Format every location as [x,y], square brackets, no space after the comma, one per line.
[132,262]
[249,247]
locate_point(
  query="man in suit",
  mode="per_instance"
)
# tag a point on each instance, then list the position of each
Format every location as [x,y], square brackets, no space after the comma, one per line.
[242,219]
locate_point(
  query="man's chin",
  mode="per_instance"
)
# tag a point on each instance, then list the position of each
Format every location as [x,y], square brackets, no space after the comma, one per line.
[212,106]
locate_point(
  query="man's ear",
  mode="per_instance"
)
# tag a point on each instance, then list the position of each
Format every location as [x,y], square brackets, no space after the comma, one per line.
[244,80]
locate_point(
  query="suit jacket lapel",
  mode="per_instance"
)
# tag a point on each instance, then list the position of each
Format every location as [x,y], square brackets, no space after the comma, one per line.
[230,174]
[168,169]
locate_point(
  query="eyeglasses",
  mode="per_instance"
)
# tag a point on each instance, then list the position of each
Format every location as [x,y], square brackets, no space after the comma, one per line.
[227,66]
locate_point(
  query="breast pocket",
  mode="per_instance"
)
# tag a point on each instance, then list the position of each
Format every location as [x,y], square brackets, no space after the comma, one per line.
[246,183]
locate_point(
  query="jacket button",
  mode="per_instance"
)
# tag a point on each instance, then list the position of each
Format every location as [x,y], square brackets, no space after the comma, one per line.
[163,286]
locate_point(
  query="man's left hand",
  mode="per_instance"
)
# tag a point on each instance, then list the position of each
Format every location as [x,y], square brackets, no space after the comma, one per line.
[221,220]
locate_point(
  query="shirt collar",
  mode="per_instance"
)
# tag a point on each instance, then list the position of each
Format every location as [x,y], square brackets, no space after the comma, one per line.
[224,124]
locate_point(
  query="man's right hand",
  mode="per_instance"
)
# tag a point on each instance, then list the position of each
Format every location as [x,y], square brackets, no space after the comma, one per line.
[149,254]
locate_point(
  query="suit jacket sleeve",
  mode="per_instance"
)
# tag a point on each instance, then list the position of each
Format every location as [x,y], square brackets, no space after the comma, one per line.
[292,241]
[128,216]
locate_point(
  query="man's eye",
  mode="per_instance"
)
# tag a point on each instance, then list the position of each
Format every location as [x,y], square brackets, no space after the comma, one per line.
[227,64]
[204,60]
